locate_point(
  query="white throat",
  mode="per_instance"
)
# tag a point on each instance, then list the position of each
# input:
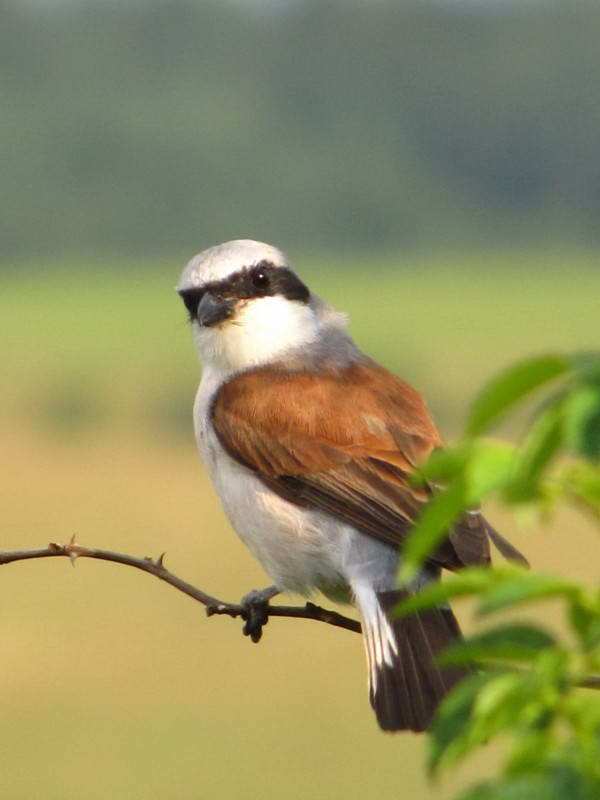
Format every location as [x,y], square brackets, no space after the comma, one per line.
[262,331]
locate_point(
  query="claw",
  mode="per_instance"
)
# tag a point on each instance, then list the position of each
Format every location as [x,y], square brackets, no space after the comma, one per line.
[255,611]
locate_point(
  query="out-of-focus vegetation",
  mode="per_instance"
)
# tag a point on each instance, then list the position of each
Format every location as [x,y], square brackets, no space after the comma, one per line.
[162,125]
[116,686]
[531,689]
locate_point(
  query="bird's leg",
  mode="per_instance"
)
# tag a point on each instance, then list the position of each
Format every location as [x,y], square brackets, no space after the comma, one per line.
[255,611]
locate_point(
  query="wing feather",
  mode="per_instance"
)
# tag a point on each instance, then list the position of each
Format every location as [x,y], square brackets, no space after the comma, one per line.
[343,441]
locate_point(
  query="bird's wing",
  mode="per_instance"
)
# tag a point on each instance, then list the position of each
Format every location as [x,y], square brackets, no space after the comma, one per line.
[343,441]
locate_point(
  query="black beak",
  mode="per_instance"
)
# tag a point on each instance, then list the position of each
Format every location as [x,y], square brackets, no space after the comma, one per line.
[212,310]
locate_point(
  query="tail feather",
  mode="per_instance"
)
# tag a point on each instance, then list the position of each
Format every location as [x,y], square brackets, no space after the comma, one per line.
[406,685]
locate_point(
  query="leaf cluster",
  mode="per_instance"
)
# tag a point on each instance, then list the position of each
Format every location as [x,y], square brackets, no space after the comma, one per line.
[527,683]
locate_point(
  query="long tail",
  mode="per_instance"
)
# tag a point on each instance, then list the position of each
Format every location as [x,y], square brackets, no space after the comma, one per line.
[405,683]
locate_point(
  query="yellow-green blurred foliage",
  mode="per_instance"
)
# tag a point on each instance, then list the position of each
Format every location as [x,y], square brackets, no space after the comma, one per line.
[116,686]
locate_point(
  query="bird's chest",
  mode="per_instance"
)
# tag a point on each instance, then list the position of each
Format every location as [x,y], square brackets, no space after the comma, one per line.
[299,548]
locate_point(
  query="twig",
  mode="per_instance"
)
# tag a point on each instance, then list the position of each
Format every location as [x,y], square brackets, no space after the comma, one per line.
[213,605]
[156,567]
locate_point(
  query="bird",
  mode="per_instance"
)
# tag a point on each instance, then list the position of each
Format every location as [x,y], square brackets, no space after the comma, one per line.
[310,445]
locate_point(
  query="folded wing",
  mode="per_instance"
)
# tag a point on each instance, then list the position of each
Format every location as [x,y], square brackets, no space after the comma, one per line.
[343,441]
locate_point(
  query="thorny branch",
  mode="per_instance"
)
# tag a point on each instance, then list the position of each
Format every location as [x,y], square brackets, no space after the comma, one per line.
[213,605]
[156,567]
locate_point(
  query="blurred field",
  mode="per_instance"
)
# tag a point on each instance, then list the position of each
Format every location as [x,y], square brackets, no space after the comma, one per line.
[115,685]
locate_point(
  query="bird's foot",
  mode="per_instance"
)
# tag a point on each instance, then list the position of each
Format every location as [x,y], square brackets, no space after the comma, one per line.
[255,611]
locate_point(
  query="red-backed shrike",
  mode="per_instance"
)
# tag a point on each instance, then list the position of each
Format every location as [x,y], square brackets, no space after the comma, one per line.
[309,444]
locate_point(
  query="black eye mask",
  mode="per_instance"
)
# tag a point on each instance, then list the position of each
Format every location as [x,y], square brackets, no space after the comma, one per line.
[261,280]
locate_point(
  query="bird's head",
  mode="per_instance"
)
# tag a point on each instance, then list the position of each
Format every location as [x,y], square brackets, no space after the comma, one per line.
[246,305]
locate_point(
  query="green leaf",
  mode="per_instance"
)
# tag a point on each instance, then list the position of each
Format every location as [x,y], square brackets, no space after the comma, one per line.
[431,527]
[449,739]
[582,417]
[587,366]
[507,389]
[585,620]
[540,446]
[528,787]
[444,464]
[515,642]
[468,581]
[524,588]
[528,752]
[489,466]
[582,482]
[476,470]
[499,704]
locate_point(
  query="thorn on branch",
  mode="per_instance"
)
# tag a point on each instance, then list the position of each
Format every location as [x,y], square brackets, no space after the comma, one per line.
[72,550]
[212,604]
[255,614]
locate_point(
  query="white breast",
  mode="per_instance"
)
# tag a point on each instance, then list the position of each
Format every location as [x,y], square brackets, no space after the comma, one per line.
[300,549]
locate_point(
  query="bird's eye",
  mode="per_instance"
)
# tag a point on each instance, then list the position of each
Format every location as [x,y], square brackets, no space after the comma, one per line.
[260,279]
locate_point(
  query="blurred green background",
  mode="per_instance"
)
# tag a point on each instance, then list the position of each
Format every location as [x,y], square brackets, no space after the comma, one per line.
[430,168]
[341,123]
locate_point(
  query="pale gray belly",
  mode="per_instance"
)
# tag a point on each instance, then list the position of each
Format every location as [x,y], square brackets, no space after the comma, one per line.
[297,549]
[301,549]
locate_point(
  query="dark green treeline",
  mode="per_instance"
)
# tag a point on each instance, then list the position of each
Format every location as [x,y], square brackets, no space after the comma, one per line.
[151,126]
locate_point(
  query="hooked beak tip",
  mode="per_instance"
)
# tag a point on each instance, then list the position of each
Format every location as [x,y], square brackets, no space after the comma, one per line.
[213,310]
